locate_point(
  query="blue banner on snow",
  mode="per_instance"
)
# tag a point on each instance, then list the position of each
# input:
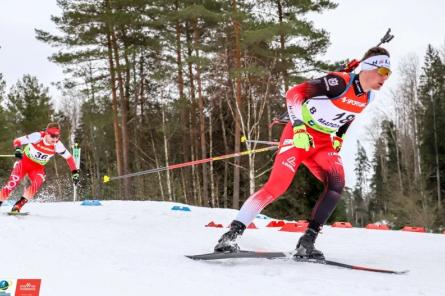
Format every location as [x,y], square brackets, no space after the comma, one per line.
[91,202]
[179,208]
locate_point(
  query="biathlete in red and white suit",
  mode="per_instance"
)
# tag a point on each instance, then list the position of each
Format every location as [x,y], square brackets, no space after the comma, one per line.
[40,147]
[320,111]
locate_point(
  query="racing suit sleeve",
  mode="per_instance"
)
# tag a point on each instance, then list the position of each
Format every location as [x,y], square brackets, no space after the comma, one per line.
[31,138]
[62,151]
[326,87]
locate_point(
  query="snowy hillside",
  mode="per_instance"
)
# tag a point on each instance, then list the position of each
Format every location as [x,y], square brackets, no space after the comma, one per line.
[138,248]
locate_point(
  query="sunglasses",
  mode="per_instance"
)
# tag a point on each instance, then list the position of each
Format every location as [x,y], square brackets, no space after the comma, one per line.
[54,136]
[382,71]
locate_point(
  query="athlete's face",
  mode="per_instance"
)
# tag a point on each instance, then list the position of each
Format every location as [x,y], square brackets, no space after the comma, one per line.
[374,79]
[51,138]
[378,77]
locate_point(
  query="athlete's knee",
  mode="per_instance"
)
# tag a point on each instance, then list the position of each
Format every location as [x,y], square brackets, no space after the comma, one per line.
[335,181]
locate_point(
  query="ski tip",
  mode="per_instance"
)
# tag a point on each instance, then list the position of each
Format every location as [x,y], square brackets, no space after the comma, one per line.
[402,272]
[194,257]
[388,271]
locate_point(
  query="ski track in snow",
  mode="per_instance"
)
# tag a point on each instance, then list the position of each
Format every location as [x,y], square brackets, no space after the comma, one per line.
[138,248]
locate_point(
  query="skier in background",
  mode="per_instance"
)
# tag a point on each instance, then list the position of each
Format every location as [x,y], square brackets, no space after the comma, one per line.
[40,147]
[320,112]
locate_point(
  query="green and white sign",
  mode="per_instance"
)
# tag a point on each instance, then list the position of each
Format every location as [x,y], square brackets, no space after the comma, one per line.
[76,155]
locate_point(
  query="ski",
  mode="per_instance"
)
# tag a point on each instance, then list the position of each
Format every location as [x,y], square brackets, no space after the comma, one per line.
[350,266]
[240,254]
[288,256]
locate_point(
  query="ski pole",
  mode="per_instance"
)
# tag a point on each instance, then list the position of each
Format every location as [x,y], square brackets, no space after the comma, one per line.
[244,140]
[6,155]
[263,142]
[107,179]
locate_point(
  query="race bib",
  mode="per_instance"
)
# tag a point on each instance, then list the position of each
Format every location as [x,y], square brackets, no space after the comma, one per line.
[325,116]
[36,155]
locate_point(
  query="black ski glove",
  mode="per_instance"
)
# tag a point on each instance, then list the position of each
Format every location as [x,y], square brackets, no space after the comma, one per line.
[75,176]
[18,153]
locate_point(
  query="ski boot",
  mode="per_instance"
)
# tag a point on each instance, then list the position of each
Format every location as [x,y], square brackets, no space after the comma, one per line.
[227,244]
[18,206]
[306,245]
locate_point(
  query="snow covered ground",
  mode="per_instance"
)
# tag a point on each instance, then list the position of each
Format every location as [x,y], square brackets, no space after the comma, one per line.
[138,248]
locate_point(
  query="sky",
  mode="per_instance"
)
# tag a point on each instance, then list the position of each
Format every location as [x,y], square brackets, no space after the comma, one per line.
[354,26]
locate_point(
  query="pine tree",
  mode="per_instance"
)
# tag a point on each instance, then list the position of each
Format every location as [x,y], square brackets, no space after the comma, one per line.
[7,131]
[291,28]
[432,96]
[378,207]
[360,194]
[29,105]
